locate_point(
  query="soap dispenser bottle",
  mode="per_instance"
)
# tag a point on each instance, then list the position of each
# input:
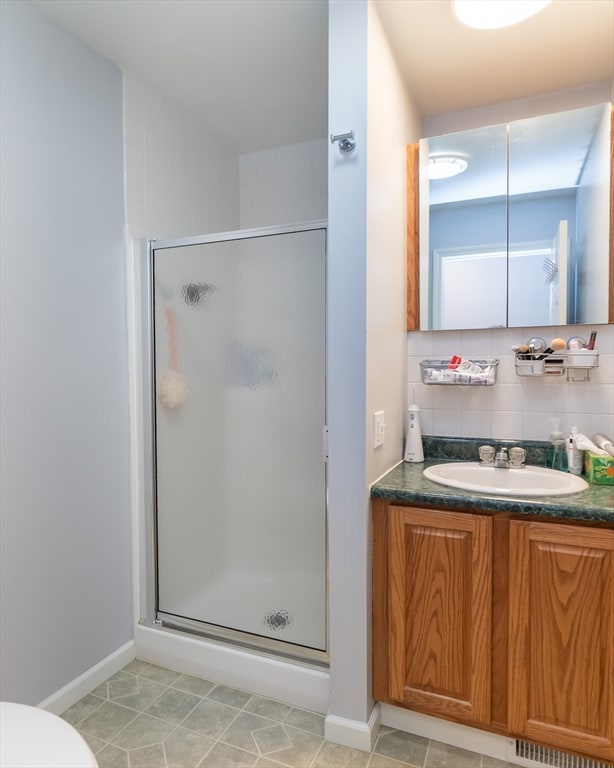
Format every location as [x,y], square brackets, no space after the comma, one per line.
[574,455]
[556,455]
[414,451]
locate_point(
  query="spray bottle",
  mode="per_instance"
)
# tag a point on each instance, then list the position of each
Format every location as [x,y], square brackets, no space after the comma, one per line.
[413,447]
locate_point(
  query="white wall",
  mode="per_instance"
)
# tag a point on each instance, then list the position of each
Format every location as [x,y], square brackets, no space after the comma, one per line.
[179,181]
[66,575]
[367,352]
[516,408]
[348,519]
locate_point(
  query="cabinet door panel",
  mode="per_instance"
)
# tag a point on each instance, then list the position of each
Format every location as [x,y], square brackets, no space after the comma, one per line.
[440,607]
[561,684]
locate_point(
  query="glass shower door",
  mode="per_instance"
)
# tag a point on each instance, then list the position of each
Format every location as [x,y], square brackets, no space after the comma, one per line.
[240,409]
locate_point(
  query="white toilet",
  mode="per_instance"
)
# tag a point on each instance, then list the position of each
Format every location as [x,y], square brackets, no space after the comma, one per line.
[33,738]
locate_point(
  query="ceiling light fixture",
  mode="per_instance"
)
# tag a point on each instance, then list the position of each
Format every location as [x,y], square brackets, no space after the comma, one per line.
[446,166]
[494,14]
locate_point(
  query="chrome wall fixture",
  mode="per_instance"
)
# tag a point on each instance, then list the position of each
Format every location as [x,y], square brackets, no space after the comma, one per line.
[347,142]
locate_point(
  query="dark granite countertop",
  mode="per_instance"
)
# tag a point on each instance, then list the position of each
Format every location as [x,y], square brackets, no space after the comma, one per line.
[406,483]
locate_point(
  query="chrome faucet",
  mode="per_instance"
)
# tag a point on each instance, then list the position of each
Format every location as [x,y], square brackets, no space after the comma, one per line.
[500,457]
[502,460]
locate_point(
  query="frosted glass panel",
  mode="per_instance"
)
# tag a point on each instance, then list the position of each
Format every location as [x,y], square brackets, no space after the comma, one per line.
[240,407]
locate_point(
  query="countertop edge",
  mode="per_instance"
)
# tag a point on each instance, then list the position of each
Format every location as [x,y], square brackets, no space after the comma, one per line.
[406,483]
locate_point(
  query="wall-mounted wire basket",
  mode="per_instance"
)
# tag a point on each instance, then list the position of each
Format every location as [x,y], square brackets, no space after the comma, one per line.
[466,373]
[576,364]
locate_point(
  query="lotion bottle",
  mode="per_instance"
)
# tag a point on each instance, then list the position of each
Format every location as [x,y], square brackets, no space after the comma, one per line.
[414,451]
[574,455]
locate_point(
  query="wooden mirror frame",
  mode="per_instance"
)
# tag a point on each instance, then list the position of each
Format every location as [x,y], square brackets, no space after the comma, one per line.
[413,233]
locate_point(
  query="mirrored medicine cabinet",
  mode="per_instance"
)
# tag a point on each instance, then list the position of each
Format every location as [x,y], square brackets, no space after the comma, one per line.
[523,235]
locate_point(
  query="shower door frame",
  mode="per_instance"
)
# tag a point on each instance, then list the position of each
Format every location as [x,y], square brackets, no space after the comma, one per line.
[149,609]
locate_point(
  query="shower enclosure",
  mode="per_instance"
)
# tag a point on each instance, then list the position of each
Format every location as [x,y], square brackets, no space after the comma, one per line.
[239,323]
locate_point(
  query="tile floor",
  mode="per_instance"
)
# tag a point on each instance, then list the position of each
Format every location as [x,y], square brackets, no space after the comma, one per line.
[152,717]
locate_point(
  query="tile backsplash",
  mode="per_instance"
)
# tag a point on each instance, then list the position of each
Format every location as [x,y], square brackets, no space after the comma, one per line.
[515,407]
[284,185]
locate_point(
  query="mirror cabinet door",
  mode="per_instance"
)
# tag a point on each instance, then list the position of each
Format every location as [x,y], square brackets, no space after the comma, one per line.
[522,236]
[464,257]
[559,218]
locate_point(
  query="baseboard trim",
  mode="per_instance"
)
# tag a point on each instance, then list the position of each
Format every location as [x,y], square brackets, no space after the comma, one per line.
[454,734]
[71,693]
[353,733]
[300,685]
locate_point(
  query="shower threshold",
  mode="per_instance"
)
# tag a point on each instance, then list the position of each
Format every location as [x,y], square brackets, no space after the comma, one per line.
[266,646]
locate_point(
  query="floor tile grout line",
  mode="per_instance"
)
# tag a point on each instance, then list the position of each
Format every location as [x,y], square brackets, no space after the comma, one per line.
[257,754]
[239,711]
[315,757]
[218,740]
[167,722]
[429,744]
[242,690]
[137,714]
[250,694]
[201,699]
[84,717]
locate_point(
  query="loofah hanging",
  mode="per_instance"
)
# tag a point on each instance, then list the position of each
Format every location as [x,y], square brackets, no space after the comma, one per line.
[172,388]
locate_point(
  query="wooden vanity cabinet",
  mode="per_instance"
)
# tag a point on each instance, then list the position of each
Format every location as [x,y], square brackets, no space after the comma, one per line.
[503,624]
[438,612]
[561,638]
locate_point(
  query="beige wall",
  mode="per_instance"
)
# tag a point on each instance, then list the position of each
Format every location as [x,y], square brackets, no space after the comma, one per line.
[393,122]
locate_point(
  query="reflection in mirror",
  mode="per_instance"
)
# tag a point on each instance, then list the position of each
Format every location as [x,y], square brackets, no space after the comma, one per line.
[521,237]
[467,232]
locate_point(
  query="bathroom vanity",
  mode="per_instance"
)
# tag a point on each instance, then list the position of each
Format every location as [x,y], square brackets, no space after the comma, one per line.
[496,612]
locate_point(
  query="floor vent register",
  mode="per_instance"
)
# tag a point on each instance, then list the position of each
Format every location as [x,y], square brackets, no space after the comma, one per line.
[534,753]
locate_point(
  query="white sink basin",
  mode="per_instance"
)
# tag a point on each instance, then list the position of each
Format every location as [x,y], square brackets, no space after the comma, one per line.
[529,481]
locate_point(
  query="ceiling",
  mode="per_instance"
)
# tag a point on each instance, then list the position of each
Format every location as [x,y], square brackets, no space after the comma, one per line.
[450,67]
[253,73]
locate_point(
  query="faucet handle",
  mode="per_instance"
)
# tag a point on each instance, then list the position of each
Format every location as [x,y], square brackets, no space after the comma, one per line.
[487,454]
[517,456]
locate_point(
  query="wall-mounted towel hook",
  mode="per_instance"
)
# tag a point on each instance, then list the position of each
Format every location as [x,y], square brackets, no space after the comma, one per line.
[347,142]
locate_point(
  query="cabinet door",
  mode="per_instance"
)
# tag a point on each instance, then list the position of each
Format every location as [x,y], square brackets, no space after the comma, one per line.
[561,671]
[439,610]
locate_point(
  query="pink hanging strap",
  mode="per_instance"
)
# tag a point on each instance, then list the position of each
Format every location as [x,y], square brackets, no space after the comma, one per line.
[171,327]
